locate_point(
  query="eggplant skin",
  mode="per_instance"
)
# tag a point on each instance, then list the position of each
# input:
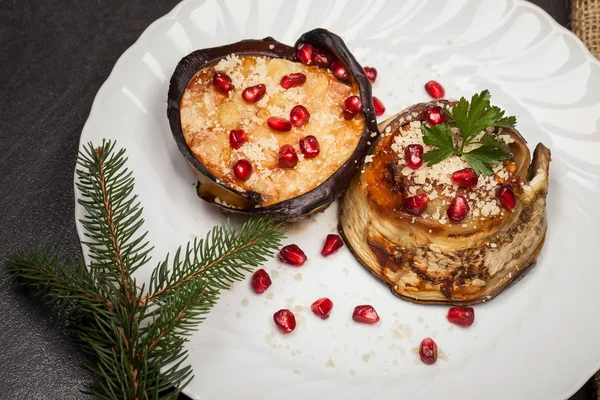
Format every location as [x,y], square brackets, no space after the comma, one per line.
[431,264]
[230,200]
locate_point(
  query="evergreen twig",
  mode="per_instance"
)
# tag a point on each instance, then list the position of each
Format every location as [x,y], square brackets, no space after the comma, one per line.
[137,336]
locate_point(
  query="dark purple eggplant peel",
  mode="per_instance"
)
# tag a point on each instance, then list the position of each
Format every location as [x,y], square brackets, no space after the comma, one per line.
[211,188]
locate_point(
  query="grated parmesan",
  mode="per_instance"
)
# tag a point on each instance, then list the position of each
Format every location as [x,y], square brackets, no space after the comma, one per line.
[207,117]
[435,181]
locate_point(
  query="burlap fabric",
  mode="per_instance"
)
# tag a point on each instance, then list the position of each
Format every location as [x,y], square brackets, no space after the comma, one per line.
[585,23]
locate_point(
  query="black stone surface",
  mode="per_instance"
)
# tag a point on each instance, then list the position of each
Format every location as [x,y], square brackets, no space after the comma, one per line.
[55,54]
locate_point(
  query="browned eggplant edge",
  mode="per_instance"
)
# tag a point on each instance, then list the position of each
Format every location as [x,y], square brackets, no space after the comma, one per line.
[323,195]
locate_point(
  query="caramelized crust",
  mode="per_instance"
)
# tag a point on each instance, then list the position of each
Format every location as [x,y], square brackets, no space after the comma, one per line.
[386,182]
[424,259]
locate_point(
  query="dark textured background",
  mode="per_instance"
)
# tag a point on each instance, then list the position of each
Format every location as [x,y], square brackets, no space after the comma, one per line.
[55,54]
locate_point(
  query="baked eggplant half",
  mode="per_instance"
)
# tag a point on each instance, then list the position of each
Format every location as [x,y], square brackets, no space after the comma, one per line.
[444,234]
[271,129]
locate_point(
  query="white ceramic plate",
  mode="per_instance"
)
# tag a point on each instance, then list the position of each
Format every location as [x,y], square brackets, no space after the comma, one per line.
[538,340]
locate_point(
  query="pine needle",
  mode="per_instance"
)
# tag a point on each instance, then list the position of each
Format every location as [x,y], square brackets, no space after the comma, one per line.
[135,336]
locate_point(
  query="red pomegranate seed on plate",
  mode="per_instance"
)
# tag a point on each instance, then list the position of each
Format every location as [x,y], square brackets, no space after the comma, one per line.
[507,198]
[279,124]
[293,255]
[463,316]
[416,204]
[339,70]
[299,116]
[365,314]
[253,94]
[413,155]
[237,137]
[458,209]
[434,115]
[378,106]
[242,170]
[321,58]
[305,53]
[428,351]
[466,178]
[435,90]
[371,73]
[293,80]
[322,307]
[285,321]
[309,146]
[352,106]
[222,82]
[332,244]
[287,156]
[260,281]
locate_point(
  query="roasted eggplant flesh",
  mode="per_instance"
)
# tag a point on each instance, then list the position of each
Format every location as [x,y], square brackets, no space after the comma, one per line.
[264,132]
[428,257]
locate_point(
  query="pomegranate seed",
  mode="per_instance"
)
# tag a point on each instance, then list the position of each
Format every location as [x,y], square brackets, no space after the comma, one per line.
[293,255]
[416,204]
[309,146]
[305,53]
[458,209]
[434,115]
[332,244]
[371,73]
[466,178]
[322,307]
[299,116]
[260,281]
[413,154]
[352,106]
[222,82]
[463,316]
[321,58]
[293,80]
[242,170]
[434,89]
[279,124]
[379,107]
[287,156]
[285,321]
[338,69]
[237,138]
[507,198]
[253,94]
[365,314]
[428,351]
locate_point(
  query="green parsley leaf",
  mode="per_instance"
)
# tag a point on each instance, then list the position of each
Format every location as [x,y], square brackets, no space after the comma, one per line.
[435,156]
[493,141]
[472,118]
[506,122]
[478,166]
[486,154]
[438,136]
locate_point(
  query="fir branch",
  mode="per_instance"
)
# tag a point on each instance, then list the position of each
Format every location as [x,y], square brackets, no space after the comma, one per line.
[221,258]
[114,215]
[137,337]
[66,284]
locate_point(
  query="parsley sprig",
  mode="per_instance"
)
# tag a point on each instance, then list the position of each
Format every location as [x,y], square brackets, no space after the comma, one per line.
[471,118]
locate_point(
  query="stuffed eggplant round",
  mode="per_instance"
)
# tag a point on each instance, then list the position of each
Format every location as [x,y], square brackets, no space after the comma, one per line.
[271,129]
[440,234]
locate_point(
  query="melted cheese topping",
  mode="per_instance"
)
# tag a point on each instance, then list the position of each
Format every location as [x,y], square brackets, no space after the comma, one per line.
[435,181]
[207,117]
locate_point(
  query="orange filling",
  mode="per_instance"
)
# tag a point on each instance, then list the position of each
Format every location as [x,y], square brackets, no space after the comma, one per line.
[208,115]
